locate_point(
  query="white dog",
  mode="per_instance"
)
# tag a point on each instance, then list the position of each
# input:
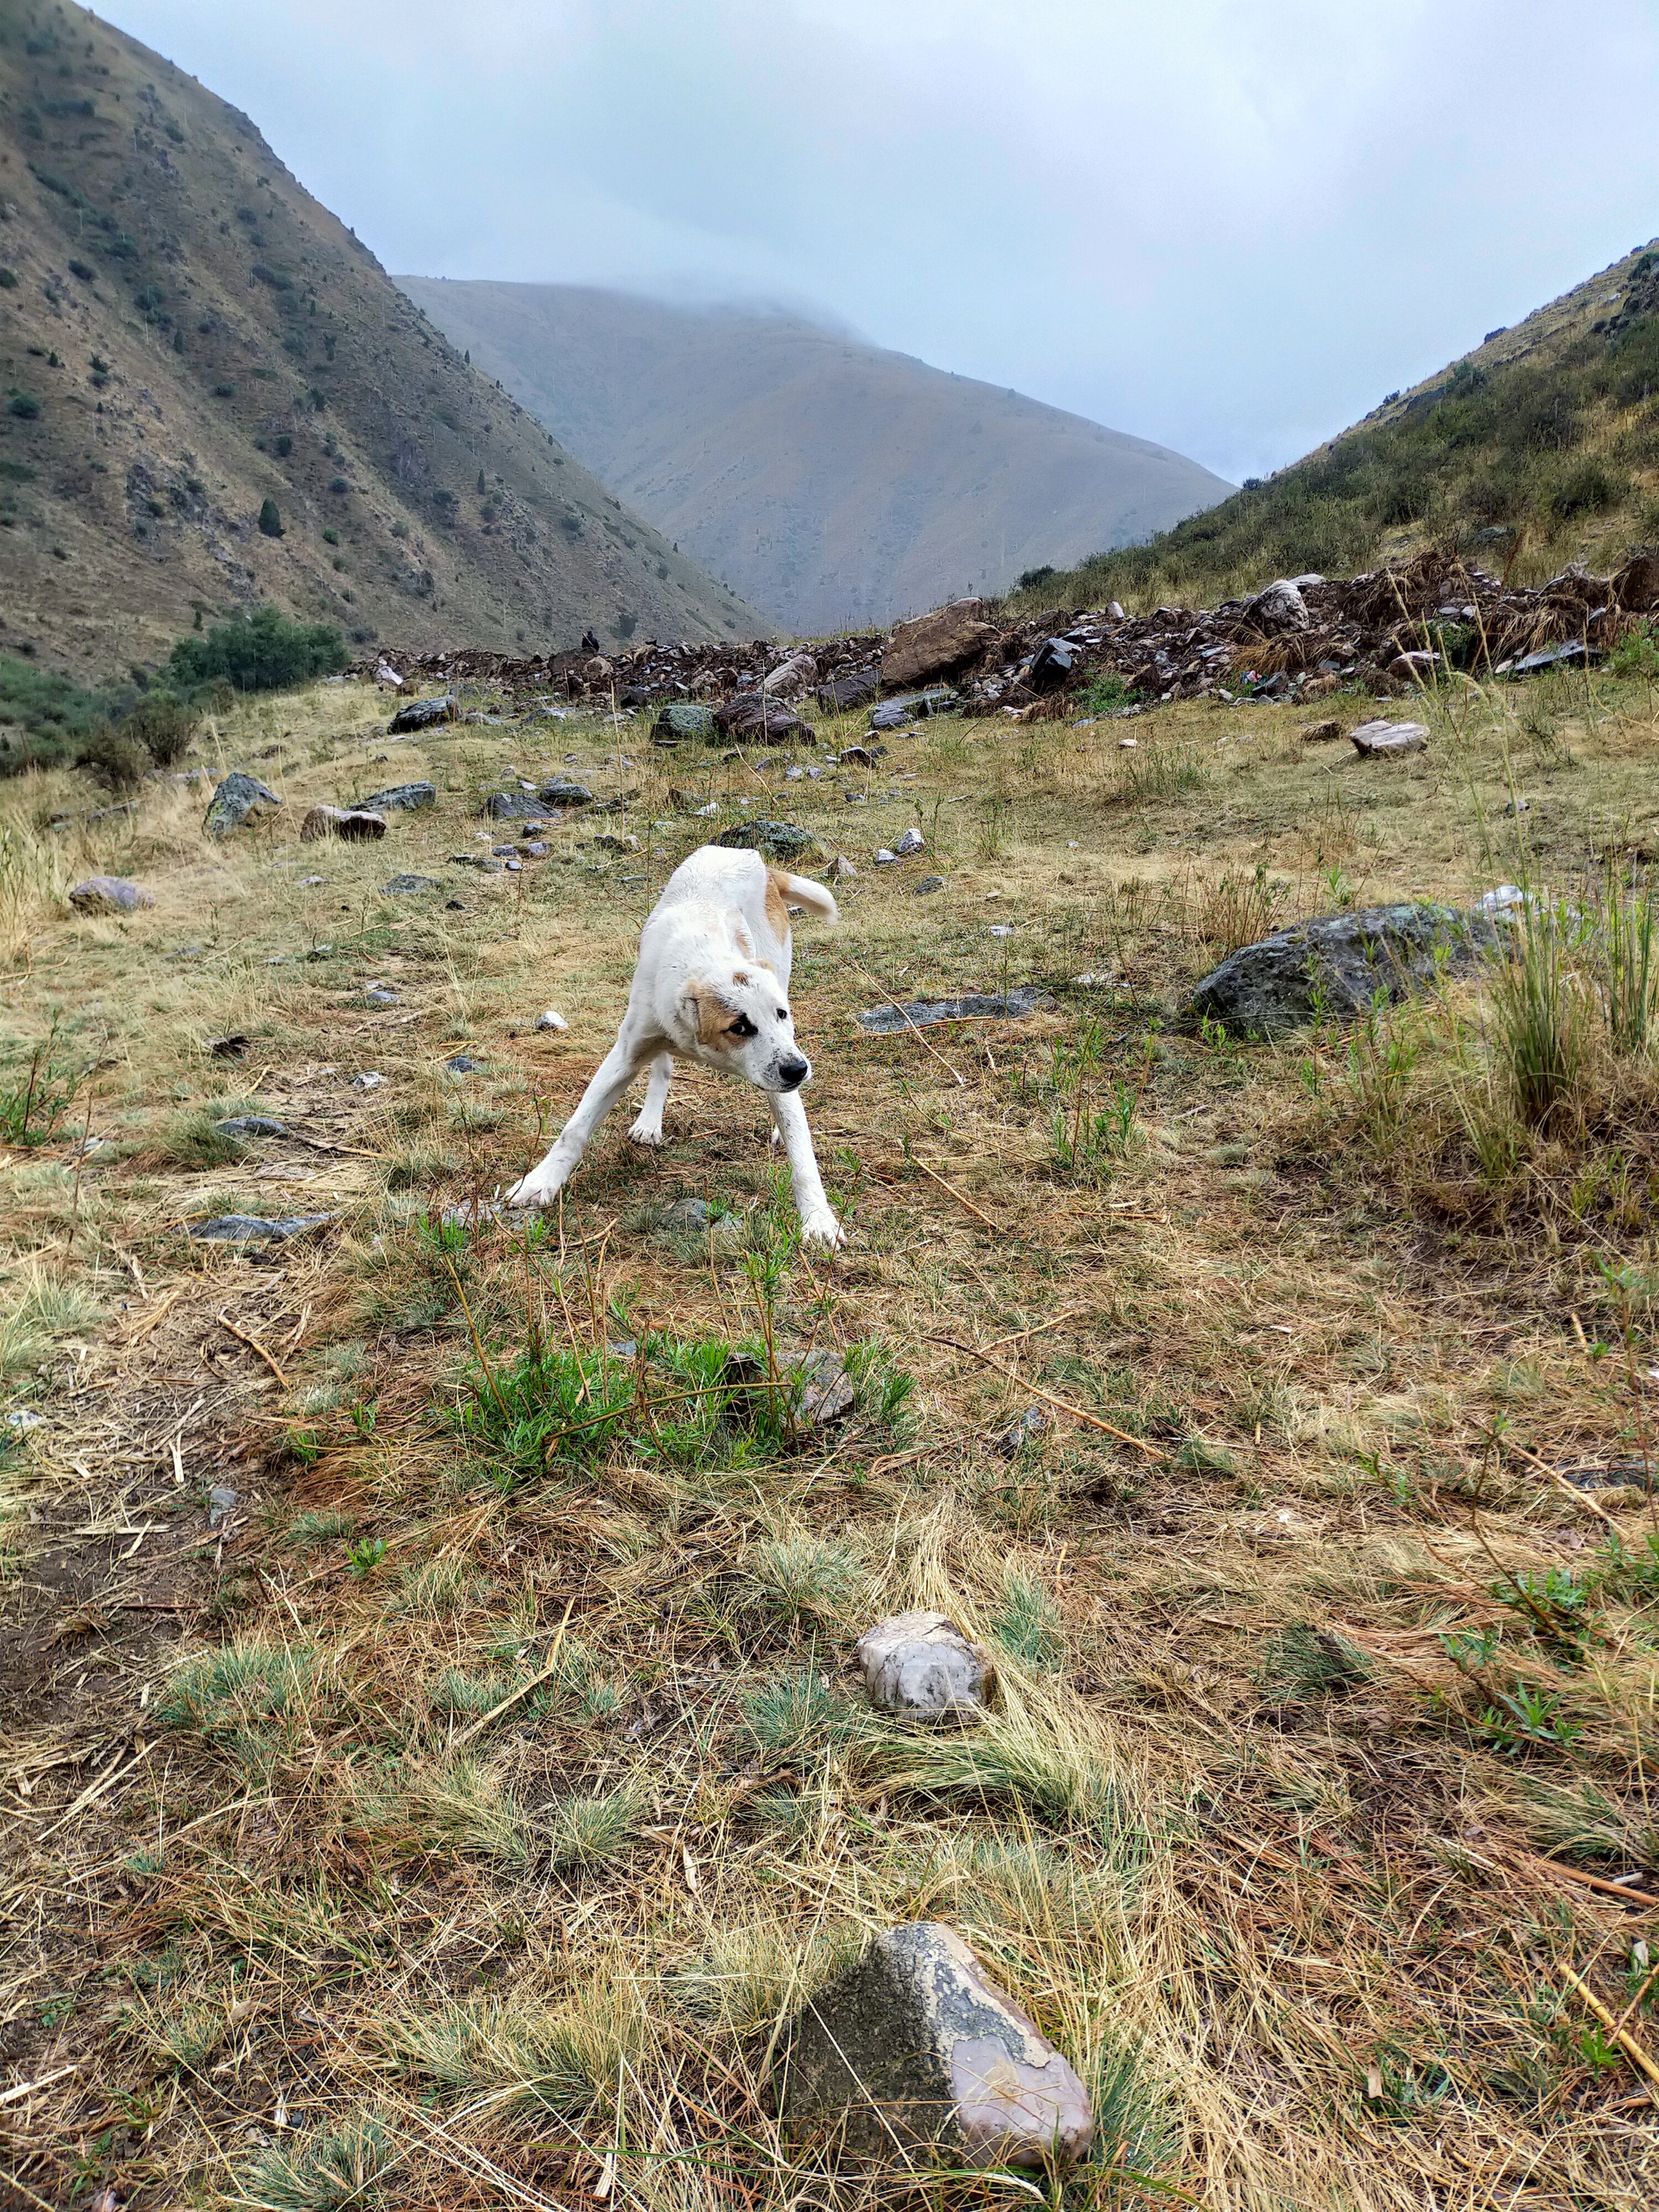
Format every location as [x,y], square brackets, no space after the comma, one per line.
[711,982]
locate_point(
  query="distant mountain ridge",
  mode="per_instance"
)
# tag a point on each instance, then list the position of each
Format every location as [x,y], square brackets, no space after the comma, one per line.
[832,483]
[189,341]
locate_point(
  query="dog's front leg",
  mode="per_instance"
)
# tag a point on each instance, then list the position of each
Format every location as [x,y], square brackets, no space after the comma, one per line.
[614,1075]
[647,1130]
[819,1225]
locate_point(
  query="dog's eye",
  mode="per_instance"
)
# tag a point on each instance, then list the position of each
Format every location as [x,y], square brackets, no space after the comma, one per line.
[783,1013]
[743,1027]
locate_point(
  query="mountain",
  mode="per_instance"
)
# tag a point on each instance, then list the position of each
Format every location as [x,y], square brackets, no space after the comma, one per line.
[185,335]
[1538,447]
[833,483]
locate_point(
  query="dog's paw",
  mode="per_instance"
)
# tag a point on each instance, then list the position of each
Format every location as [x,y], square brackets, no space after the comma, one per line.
[823,1229]
[646,1132]
[527,1193]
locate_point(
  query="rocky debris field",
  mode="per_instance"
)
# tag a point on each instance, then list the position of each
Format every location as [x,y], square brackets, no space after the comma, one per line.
[1300,637]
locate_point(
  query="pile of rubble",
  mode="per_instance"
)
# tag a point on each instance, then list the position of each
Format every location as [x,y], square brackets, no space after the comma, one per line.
[1301,637]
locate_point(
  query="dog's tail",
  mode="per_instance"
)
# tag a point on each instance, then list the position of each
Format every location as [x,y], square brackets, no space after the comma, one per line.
[801,890]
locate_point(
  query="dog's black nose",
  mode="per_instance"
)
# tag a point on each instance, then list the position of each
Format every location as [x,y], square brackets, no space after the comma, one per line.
[792,1073]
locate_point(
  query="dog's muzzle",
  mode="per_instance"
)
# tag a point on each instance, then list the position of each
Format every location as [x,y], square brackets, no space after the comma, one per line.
[792,1073]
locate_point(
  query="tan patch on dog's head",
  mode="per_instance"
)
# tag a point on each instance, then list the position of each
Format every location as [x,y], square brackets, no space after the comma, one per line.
[713,1015]
[777,906]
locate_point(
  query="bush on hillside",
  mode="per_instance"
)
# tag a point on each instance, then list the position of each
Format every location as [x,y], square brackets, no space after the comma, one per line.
[263,652]
[117,758]
[164,725]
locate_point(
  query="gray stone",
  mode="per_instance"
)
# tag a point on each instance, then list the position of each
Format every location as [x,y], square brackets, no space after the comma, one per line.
[424,715]
[685,1217]
[254,1228]
[252,1125]
[356,824]
[514,806]
[759,721]
[685,720]
[551,1020]
[462,1064]
[1554,656]
[914,706]
[401,798]
[1280,607]
[920,1666]
[932,644]
[1337,965]
[915,2049]
[238,800]
[380,994]
[908,841]
[565,790]
[486,862]
[923,885]
[1012,1440]
[21,1418]
[846,692]
[1382,738]
[409,886]
[973,1005]
[537,849]
[1052,663]
[826,1393]
[221,1503]
[778,841]
[109,895]
[369,1080]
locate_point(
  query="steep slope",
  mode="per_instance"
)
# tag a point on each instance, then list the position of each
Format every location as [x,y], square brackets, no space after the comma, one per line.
[832,483]
[1539,447]
[185,335]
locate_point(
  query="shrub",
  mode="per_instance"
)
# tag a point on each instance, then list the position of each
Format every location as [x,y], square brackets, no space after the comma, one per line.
[263,652]
[165,725]
[118,759]
[271,519]
[24,405]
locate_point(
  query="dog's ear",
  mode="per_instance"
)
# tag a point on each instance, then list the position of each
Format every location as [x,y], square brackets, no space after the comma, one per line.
[705,1012]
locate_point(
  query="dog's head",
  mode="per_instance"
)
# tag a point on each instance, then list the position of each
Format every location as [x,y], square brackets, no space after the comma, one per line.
[740,1020]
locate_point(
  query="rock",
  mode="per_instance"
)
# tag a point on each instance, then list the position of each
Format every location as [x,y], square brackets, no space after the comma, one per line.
[973,1005]
[1407,667]
[514,807]
[923,885]
[933,644]
[564,791]
[1505,902]
[915,2049]
[385,673]
[551,1020]
[1374,738]
[691,1217]
[916,707]
[380,994]
[923,1666]
[229,1047]
[1115,613]
[1343,961]
[357,823]
[826,1393]
[409,886]
[537,850]
[759,721]
[400,799]
[1636,586]
[254,1228]
[1573,653]
[424,715]
[221,1503]
[1012,1440]
[778,841]
[1051,663]
[685,722]
[1321,733]
[252,1125]
[846,692]
[109,895]
[367,1081]
[21,1419]
[790,678]
[686,1217]
[1281,608]
[908,841]
[462,1064]
[860,756]
[485,862]
[238,798]
[840,869]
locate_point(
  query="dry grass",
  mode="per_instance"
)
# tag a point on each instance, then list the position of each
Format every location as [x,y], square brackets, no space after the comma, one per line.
[1304,1706]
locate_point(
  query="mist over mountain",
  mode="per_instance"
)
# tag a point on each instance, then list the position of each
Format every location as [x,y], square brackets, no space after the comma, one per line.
[830,482]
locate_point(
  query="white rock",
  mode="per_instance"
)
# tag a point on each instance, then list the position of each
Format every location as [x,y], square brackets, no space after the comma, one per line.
[551,1020]
[1381,736]
[909,840]
[368,1081]
[920,1666]
[703,813]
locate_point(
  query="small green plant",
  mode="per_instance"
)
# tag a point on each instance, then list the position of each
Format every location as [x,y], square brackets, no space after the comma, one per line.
[1107,695]
[804,1583]
[117,758]
[1303,1664]
[1526,1718]
[585,1832]
[36,1099]
[335,2170]
[1029,1627]
[363,1556]
[1092,1127]
[799,1718]
[1541,1028]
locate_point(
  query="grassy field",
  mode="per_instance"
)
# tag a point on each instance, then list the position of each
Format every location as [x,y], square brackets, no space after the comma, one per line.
[450,1816]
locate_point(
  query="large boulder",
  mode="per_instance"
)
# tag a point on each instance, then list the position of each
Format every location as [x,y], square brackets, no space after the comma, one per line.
[779,841]
[356,824]
[1337,965]
[109,895]
[933,644]
[790,678]
[424,715]
[400,799]
[684,721]
[239,798]
[759,721]
[843,693]
[1281,608]
[915,2049]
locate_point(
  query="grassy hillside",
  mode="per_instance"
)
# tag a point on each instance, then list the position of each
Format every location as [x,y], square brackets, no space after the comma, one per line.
[1539,447]
[832,483]
[196,356]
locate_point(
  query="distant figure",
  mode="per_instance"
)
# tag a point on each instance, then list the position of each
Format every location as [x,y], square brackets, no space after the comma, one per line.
[590,643]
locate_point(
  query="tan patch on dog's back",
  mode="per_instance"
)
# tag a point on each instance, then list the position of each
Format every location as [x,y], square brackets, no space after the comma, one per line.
[777,906]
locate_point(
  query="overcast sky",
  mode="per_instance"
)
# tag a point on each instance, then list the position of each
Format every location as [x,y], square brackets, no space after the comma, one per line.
[1230,225]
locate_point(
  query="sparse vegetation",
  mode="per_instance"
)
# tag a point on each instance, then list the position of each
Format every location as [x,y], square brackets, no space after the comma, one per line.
[266,652]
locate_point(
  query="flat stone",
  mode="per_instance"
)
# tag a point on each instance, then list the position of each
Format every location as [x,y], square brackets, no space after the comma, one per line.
[1374,738]
[973,1005]
[424,715]
[109,895]
[486,862]
[920,1666]
[933,644]
[221,1503]
[1012,1440]
[1572,654]
[842,694]
[1337,965]
[369,1080]
[915,2049]
[401,798]
[778,841]
[254,1228]
[252,1125]
[409,886]
[565,790]
[914,706]
[356,824]
[380,994]
[514,806]
[21,1419]
[462,1064]
[685,722]
[537,850]
[923,885]
[239,799]
[759,721]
